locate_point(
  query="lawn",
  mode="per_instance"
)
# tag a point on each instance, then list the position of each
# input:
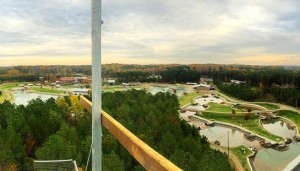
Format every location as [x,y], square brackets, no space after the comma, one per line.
[46,90]
[8,86]
[239,153]
[215,107]
[291,115]
[186,99]
[268,106]
[250,124]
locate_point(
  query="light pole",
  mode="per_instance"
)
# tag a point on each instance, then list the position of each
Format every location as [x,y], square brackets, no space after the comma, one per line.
[96,85]
[228,143]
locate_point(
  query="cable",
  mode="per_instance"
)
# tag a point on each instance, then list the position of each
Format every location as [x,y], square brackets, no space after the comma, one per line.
[88,160]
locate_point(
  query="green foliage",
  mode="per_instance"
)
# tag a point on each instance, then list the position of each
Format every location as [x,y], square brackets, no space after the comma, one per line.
[180,74]
[239,91]
[242,153]
[215,107]
[155,119]
[56,148]
[112,162]
[186,99]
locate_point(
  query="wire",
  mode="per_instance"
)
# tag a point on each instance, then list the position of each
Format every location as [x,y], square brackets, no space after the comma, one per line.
[88,160]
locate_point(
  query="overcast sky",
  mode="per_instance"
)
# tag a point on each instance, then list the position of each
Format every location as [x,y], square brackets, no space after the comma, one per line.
[263,32]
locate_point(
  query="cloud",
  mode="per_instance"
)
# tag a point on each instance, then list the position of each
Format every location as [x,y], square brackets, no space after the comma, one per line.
[152,31]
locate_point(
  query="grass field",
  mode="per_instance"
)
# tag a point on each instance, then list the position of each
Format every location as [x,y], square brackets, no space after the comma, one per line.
[8,86]
[215,107]
[239,153]
[186,99]
[251,124]
[46,90]
[291,115]
[268,106]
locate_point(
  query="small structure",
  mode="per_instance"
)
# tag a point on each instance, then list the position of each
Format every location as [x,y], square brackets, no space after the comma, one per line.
[126,84]
[80,91]
[67,80]
[204,80]
[190,83]
[199,87]
[41,79]
[238,82]
[209,123]
[111,81]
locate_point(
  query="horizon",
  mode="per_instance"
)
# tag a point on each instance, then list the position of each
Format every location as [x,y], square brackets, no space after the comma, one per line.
[296,65]
[152,32]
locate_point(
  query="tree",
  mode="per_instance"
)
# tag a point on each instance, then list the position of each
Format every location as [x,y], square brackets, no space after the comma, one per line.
[56,148]
[112,162]
[233,112]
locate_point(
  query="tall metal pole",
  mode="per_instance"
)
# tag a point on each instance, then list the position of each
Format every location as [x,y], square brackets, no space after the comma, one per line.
[228,143]
[96,84]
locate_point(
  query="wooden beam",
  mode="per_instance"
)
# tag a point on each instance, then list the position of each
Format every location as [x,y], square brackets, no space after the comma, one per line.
[145,155]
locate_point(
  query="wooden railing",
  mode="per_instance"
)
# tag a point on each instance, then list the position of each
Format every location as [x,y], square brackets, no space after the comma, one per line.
[145,155]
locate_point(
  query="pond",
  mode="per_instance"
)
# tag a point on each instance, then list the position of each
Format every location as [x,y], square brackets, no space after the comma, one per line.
[279,127]
[22,97]
[220,132]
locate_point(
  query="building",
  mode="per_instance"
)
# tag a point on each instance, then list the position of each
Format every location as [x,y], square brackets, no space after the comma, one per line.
[189,83]
[200,87]
[204,80]
[237,82]
[67,80]
[126,84]
[111,82]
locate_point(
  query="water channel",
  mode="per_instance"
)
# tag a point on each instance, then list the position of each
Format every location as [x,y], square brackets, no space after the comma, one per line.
[266,158]
[279,127]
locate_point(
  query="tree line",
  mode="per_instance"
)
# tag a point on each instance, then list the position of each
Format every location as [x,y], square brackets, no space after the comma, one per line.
[290,96]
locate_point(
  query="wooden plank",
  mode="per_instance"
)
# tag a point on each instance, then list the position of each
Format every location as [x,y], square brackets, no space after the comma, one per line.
[145,155]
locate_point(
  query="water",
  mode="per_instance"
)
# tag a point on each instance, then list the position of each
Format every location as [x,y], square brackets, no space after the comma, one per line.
[278,127]
[203,101]
[270,159]
[22,98]
[220,133]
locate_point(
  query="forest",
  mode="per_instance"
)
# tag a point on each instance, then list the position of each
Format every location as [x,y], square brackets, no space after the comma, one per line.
[267,83]
[61,129]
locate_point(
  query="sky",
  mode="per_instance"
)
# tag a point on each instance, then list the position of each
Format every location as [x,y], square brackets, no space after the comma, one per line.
[50,32]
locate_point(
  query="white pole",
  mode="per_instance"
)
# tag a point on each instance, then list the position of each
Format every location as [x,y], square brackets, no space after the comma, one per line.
[96,76]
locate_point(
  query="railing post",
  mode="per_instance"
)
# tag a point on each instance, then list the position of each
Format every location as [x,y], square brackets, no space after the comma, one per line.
[96,85]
